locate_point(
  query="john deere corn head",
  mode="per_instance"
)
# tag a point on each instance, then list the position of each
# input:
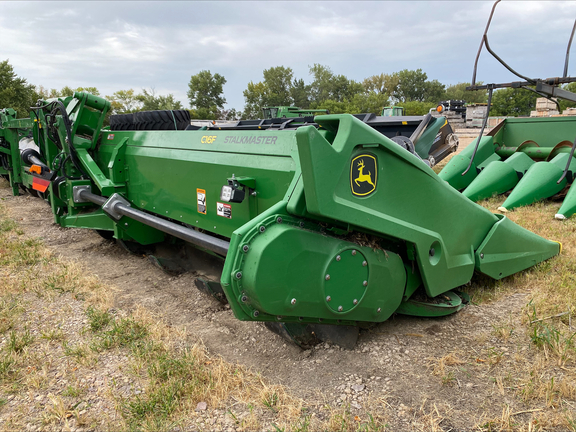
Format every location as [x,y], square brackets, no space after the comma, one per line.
[317,228]
[527,156]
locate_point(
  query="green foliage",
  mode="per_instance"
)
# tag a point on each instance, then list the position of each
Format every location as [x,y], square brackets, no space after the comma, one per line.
[151,102]
[205,92]
[278,81]
[255,96]
[15,92]
[413,85]
[277,89]
[459,92]
[299,94]
[416,108]
[124,101]
[571,87]
[513,102]
[327,86]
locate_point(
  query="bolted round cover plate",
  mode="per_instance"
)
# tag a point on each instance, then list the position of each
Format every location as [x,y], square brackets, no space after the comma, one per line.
[346,282]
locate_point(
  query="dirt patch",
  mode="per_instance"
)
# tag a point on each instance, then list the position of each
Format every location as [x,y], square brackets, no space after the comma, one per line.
[454,373]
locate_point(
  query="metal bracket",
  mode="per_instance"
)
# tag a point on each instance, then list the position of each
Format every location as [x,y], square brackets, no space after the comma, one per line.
[76,193]
[110,204]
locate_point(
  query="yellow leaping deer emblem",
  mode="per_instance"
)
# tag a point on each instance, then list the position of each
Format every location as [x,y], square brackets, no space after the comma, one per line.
[363,177]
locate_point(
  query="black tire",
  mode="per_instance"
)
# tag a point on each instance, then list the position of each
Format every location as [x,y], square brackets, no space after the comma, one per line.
[162,120]
[120,122]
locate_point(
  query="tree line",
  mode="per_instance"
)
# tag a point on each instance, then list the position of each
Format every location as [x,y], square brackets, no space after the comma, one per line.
[410,89]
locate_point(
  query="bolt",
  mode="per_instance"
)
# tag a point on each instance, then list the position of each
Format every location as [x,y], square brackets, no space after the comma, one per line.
[214,226]
[355,302]
[253,193]
[244,299]
[293,302]
[166,211]
[239,275]
[338,257]
[328,298]
[262,228]
[364,263]
[279,318]
[301,224]
[353,252]
[279,220]
[327,277]
[245,248]
[126,224]
[340,308]
[378,310]
[432,252]
[481,256]
[256,313]
[300,319]
[365,283]
[180,216]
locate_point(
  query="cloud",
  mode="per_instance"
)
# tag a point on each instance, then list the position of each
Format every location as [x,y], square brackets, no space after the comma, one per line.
[121,45]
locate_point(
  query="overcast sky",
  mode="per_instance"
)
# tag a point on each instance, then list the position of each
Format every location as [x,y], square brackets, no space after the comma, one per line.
[122,45]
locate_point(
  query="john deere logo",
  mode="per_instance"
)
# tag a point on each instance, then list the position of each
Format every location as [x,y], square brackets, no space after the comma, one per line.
[363,174]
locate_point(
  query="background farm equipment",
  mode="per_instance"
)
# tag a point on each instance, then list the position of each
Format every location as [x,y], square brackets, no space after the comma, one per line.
[531,157]
[314,228]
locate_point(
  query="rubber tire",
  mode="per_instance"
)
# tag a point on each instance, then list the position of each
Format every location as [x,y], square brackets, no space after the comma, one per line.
[120,122]
[162,120]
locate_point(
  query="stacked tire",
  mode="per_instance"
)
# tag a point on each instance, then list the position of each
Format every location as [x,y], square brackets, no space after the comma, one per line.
[151,120]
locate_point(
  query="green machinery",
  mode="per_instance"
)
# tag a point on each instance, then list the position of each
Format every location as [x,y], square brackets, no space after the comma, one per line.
[531,157]
[270,112]
[393,111]
[316,229]
[527,156]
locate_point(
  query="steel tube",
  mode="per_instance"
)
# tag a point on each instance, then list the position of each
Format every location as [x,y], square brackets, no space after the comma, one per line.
[205,241]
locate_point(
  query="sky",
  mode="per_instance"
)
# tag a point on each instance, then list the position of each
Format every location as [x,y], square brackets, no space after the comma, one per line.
[121,45]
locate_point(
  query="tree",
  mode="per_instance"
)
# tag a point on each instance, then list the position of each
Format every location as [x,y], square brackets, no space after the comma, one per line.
[151,102]
[278,81]
[299,94]
[512,102]
[413,85]
[124,101]
[459,92]
[571,87]
[255,96]
[327,86]
[206,94]
[382,84]
[15,92]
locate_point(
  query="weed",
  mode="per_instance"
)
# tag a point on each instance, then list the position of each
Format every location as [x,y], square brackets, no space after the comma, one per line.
[122,333]
[72,391]
[53,334]
[7,367]
[97,319]
[17,343]
[79,351]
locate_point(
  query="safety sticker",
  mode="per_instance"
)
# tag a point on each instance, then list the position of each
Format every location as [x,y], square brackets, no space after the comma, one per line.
[224,210]
[201,197]
[110,136]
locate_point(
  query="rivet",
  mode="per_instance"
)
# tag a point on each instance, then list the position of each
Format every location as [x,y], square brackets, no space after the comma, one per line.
[364,263]
[481,256]
[214,226]
[245,248]
[244,299]
[355,301]
[300,319]
[340,308]
[239,275]
[301,224]
[166,211]
[279,318]
[328,298]
[327,277]
[180,216]
[378,310]
[338,257]
[293,301]
[126,224]
[262,228]
[279,220]
[256,313]
[365,283]
[354,252]
[154,208]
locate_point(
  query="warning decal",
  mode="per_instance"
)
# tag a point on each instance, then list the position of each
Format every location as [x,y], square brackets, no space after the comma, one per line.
[224,210]
[201,198]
